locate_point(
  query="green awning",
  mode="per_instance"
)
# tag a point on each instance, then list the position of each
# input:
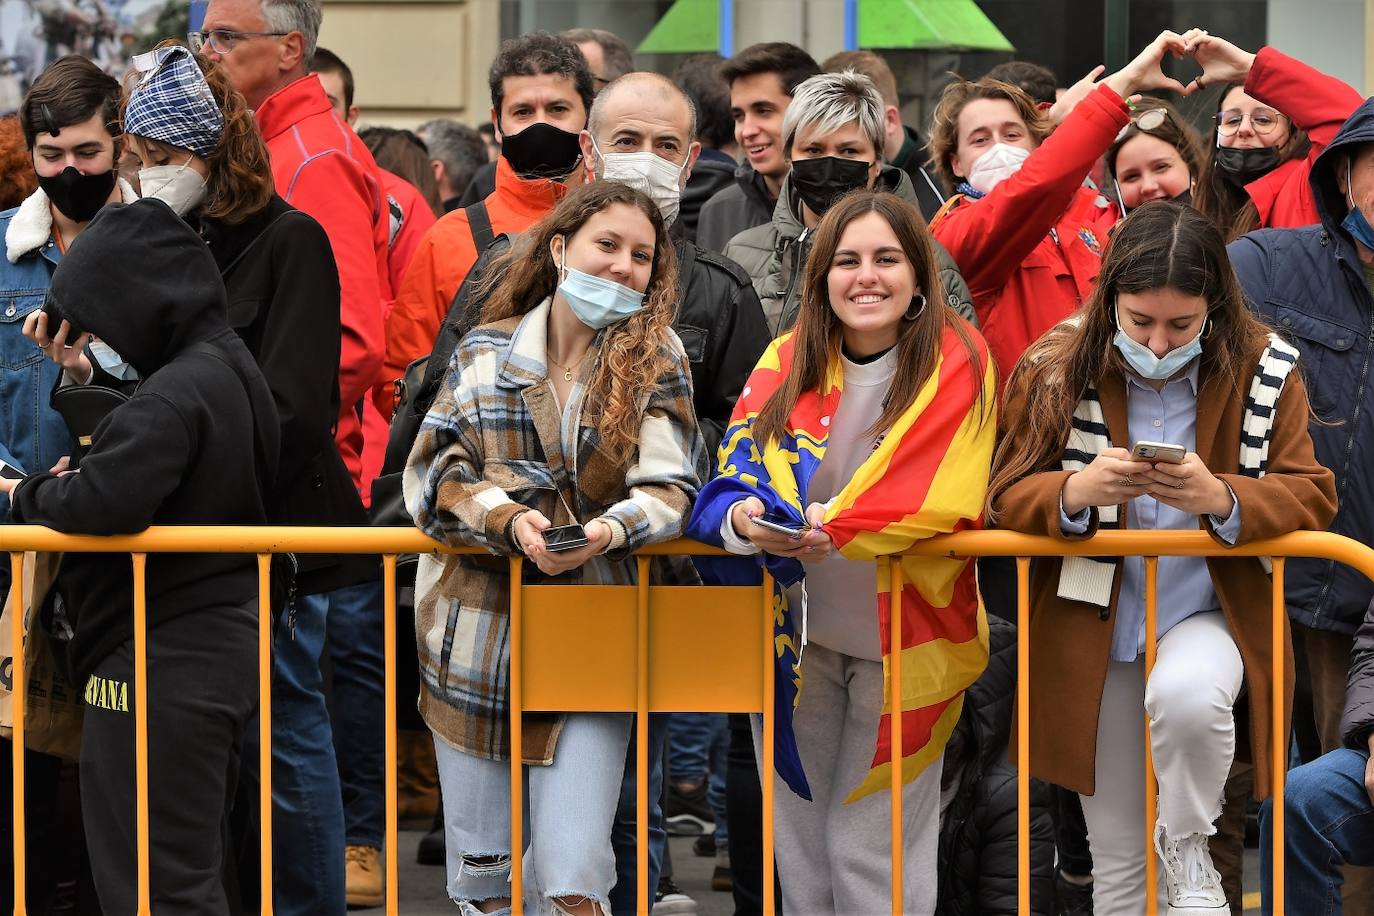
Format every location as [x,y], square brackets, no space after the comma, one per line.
[928,25]
[689,26]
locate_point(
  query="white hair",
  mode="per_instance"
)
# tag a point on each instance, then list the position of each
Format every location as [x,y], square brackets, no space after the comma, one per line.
[827,102]
[302,16]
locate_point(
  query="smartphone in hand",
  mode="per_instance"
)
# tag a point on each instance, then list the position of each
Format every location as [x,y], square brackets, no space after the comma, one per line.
[564,537]
[1158,452]
[781,523]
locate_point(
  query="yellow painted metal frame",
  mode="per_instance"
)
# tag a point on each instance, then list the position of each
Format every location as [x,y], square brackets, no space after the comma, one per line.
[663,618]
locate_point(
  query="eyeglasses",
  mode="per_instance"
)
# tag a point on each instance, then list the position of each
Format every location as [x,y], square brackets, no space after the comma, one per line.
[222,41]
[1262,121]
[1151,119]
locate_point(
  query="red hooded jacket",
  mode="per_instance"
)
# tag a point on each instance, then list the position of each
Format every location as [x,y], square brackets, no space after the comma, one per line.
[1030,250]
[1314,102]
[321,167]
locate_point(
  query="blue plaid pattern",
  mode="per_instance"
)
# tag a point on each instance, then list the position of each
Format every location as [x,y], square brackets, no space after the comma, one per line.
[172,103]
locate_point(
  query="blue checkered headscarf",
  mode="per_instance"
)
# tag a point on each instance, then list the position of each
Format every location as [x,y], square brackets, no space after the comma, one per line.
[172,102]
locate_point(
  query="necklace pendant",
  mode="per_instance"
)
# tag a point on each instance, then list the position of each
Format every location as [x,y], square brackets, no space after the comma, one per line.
[567,375]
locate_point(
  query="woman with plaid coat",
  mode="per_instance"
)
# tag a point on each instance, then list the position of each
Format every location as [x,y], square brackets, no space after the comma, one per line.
[572,405]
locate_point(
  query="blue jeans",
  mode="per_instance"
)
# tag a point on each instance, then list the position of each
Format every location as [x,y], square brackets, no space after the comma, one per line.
[1329,822]
[625,894]
[698,743]
[307,824]
[358,710]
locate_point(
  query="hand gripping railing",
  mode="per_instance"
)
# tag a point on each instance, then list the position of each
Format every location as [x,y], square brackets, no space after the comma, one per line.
[550,622]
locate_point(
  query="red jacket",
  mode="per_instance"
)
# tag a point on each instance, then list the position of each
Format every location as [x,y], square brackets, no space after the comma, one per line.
[320,166]
[1314,102]
[445,256]
[407,228]
[1030,250]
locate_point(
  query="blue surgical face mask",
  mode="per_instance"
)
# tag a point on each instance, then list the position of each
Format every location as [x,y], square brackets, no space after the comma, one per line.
[597,302]
[1143,361]
[1354,221]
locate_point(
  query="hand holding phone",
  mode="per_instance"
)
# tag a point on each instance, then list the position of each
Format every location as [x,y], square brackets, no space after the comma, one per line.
[564,537]
[780,522]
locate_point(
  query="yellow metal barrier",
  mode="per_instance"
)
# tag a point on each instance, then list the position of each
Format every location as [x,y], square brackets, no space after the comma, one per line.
[614,623]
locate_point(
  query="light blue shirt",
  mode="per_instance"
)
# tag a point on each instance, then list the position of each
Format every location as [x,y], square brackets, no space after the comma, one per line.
[1184,583]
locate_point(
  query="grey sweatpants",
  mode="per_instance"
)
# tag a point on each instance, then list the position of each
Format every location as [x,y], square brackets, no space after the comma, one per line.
[834,857]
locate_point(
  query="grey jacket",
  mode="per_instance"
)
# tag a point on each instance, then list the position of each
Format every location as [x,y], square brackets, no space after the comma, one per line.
[774,253]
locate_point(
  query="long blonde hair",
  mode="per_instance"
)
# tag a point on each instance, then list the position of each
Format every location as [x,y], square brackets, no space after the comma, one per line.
[1161,245]
[631,355]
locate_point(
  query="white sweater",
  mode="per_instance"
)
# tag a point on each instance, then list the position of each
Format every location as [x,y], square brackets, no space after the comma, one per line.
[840,603]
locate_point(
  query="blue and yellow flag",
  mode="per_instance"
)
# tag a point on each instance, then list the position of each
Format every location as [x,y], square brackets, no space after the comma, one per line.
[928,476]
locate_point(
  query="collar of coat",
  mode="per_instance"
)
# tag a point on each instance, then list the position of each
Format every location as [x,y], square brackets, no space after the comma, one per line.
[31,226]
[525,361]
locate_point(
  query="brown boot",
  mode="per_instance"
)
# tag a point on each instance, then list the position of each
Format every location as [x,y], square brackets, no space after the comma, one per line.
[363,876]
[417,776]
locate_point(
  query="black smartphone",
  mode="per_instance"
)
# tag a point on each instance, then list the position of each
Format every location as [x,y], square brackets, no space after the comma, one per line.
[782,523]
[564,537]
[55,319]
[10,472]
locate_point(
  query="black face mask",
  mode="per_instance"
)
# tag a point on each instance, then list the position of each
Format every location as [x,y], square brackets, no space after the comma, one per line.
[1242,166]
[542,151]
[79,197]
[822,181]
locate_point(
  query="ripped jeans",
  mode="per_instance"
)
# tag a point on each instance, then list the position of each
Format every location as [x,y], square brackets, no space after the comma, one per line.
[569,808]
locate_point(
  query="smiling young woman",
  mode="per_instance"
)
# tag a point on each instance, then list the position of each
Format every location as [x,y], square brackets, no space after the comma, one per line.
[866,428]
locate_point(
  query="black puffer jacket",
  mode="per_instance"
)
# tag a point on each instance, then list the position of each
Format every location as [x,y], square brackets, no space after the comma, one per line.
[978,830]
[714,171]
[1358,722]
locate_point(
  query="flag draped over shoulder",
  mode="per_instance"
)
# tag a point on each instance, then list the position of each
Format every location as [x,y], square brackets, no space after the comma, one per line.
[928,476]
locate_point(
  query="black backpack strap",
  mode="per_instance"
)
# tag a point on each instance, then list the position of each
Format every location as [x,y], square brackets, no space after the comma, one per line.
[479,221]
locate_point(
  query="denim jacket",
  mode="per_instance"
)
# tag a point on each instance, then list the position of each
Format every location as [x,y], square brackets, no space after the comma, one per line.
[32,436]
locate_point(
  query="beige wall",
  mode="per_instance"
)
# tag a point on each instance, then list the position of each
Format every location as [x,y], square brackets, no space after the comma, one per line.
[413,60]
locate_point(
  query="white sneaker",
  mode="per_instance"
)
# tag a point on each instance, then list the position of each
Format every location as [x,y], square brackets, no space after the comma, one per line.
[1192,883]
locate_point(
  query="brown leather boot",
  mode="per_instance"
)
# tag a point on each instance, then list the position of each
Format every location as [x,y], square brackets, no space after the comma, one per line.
[417,776]
[363,876]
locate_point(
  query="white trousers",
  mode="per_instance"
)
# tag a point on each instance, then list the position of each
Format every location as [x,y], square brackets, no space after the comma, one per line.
[833,858]
[1189,698]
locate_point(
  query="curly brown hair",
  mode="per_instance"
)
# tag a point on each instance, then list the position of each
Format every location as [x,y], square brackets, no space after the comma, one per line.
[944,123]
[17,178]
[632,355]
[240,182]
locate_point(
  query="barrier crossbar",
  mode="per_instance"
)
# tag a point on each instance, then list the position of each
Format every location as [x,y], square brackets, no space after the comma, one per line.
[546,621]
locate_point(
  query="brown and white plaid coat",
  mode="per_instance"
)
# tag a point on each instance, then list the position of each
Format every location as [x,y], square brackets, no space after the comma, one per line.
[492,446]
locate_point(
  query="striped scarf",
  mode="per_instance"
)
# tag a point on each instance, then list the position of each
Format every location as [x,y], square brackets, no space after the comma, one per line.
[1089,579]
[928,476]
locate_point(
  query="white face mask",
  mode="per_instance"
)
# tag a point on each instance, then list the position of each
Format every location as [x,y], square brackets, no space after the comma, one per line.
[995,165]
[658,178]
[178,186]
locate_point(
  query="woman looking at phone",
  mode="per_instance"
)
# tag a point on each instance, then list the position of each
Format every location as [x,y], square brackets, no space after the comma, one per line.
[571,406]
[865,429]
[1164,350]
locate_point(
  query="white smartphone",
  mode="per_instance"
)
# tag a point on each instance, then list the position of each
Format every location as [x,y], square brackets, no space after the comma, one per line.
[1158,452]
[781,523]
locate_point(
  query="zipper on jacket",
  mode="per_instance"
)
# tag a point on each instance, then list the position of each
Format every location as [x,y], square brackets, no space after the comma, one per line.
[800,244]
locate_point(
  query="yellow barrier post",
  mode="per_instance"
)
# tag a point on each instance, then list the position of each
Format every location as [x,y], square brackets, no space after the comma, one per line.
[19,695]
[1151,787]
[140,560]
[517,739]
[1279,617]
[393,904]
[642,735]
[265,619]
[895,718]
[1023,901]
[769,688]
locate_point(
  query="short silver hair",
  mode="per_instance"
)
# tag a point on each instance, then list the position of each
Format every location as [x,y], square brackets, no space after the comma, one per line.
[827,102]
[302,16]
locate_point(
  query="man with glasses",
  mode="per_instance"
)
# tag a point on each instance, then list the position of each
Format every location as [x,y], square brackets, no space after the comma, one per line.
[321,167]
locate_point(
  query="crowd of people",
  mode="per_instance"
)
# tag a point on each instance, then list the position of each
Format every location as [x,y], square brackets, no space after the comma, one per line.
[745,304]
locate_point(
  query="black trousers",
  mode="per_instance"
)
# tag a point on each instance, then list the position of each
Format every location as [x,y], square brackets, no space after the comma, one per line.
[744,811]
[202,693]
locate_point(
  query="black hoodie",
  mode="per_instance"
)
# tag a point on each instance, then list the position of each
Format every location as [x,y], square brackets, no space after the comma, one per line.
[195,445]
[1308,284]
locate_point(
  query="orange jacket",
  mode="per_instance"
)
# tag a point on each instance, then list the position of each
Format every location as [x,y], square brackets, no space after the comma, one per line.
[321,167]
[443,259]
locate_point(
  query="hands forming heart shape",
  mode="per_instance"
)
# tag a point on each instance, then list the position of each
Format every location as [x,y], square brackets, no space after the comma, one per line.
[1221,62]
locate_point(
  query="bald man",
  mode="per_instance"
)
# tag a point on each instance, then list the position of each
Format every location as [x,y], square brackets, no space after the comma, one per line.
[640,132]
